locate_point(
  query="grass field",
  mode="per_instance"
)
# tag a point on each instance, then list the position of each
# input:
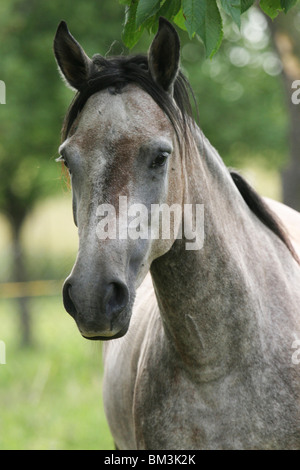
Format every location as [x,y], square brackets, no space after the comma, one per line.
[50,394]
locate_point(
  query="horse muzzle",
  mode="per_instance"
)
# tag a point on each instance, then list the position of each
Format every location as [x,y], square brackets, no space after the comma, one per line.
[101,311]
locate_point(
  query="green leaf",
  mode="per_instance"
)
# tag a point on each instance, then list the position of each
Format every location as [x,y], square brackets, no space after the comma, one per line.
[146,9]
[193,11]
[212,28]
[246,4]
[233,9]
[125,2]
[151,24]
[179,20]
[286,5]
[170,9]
[203,18]
[271,7]
[130,34]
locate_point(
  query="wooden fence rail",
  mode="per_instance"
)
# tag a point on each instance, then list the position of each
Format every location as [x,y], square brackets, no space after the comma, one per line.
[10,290]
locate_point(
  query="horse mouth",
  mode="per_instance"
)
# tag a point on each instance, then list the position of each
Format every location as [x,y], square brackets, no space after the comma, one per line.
[120,333]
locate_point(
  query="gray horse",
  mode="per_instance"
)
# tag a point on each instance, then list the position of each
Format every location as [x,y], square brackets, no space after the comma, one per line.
[203,358]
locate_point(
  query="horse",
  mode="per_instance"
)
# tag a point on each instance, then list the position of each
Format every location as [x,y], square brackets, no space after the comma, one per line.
[197,338]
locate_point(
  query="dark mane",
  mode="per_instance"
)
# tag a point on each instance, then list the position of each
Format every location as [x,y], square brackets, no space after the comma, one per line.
[262,211]
[116,72]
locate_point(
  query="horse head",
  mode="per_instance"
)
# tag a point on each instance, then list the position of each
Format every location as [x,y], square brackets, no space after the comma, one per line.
[121,144]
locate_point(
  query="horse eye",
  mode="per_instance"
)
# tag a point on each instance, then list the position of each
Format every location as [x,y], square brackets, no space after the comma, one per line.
[160,160]
[63,160]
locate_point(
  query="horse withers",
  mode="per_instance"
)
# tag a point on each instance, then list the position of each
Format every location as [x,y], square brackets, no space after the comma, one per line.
[201,356]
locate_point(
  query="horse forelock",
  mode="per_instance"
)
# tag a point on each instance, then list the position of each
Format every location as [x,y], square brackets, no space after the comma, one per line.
[117,72]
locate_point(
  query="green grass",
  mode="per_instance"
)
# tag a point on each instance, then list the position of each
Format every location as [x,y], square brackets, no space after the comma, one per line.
[51,393]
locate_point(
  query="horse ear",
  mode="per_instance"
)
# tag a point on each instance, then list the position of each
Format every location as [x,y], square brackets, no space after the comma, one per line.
[72,61]
[164,54]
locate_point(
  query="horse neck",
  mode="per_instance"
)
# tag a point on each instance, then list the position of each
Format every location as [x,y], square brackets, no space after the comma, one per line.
[207,299]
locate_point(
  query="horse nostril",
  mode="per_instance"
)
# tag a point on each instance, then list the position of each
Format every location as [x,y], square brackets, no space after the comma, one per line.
[116,299]
[68,302]
[96,307]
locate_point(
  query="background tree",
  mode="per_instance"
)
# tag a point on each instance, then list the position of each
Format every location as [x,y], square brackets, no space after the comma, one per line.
[285,32]
[201,18]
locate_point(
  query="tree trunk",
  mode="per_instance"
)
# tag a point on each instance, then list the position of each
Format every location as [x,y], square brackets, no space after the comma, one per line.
[19,274]
[286,39]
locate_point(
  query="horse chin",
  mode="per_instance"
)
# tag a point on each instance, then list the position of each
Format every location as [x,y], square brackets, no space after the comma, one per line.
[108,337]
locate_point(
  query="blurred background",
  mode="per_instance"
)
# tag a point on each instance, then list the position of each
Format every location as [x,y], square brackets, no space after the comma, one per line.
[50,386]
